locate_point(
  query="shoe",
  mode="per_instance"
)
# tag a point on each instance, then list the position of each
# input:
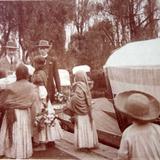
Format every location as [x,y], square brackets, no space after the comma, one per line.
[50,144]
[2,156]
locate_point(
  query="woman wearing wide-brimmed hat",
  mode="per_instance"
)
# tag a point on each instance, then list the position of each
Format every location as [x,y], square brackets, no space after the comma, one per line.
[141,140]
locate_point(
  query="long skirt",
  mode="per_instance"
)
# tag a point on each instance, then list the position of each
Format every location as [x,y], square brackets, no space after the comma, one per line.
[51,133]
[21,136]
[85,133]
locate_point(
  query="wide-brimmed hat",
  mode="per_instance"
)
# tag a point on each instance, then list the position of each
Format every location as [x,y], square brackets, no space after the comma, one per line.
[43,43]
[138,105]
[11,45]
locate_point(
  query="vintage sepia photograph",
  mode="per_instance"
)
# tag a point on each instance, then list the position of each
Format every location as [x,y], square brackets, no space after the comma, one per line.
[80,79]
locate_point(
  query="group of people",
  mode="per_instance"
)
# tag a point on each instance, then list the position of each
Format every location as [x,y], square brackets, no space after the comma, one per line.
[32,95]
[22,100]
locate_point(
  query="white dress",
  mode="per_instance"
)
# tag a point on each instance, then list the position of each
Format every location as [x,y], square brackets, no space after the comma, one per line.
[21,134]
[49,133]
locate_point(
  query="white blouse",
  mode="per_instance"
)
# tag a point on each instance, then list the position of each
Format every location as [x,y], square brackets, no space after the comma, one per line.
[140,142]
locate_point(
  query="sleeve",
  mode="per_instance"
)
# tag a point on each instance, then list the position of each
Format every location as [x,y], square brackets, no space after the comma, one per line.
[123,152]
[42,92]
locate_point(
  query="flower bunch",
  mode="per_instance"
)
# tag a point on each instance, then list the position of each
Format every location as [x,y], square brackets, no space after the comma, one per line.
[44,119]
[60,98]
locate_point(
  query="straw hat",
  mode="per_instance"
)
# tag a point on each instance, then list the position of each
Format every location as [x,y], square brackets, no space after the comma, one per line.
[138,105]
[43,43]
[11,45]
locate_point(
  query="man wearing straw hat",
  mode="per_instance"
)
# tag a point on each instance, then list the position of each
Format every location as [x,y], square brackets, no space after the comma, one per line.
[9,62]
[53,81]
[141,140]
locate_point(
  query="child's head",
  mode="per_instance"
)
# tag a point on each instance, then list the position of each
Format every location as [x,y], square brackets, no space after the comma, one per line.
[39,62]
[139,106]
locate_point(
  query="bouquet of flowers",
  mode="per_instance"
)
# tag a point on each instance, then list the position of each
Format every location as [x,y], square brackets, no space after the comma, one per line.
[44,119]
[60,98]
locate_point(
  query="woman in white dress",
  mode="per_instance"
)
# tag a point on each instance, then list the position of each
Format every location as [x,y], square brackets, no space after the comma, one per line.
[47,133]
[16,129]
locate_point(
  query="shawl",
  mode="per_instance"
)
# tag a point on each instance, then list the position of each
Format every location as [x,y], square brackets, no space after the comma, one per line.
[18,95]
[81,99]
[21,95]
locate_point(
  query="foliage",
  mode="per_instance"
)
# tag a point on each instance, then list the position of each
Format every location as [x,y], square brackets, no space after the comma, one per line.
[95,45]
[35,20]
[121,21]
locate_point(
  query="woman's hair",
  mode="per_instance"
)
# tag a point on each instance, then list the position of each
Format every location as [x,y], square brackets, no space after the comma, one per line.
[22,72]
[39,62]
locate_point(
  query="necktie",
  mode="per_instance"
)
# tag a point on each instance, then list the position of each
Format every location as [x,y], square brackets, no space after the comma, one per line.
[11,60]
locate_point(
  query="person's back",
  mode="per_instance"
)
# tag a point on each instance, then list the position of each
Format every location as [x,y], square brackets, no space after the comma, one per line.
[140,142]
[16,130]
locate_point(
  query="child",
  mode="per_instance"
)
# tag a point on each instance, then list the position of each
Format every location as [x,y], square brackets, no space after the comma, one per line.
[48,133]
[141,140]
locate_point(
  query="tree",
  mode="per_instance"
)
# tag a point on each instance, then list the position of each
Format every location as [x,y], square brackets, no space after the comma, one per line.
[35,20]
[132,19]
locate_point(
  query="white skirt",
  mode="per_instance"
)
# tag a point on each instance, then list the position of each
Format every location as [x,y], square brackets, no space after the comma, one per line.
[51,133]
[85,133]
[21,134]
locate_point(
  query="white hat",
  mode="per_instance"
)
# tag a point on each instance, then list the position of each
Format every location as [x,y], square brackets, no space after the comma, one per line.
[138,105]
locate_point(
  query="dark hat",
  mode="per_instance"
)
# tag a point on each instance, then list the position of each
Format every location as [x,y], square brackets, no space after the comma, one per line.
[43,43]
[11,44]
[138,105]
